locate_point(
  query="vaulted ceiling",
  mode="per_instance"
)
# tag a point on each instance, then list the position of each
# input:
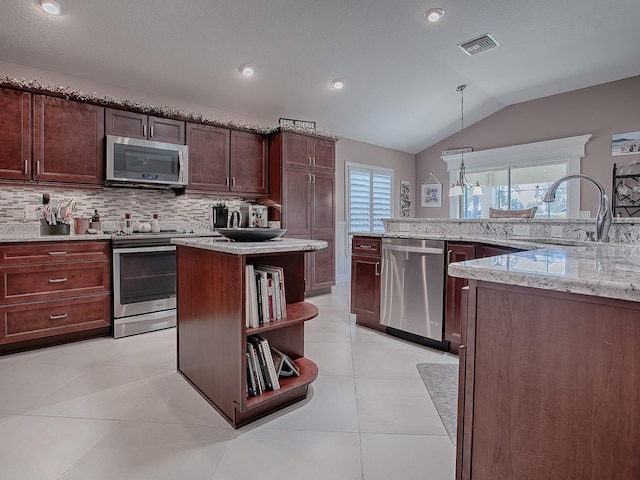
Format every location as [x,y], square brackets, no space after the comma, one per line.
[401,72]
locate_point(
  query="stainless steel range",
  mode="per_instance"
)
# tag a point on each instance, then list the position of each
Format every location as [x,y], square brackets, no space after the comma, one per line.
[144,282]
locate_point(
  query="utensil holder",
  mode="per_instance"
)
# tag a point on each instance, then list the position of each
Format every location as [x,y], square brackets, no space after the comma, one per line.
[57,229]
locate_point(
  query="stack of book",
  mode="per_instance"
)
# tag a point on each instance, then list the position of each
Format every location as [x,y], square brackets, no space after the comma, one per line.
[265,365]
[265,294]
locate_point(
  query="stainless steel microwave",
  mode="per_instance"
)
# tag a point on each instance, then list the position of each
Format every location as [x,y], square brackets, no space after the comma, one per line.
[146,163]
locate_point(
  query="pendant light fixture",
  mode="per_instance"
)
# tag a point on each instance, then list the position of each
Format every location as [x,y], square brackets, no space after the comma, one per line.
[458,188]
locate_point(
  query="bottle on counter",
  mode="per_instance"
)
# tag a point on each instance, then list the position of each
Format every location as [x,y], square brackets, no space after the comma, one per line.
[95,221]
[127,226]
[155,225]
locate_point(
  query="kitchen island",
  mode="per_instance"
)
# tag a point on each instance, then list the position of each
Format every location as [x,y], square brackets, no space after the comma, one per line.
[212,322]
[550,365]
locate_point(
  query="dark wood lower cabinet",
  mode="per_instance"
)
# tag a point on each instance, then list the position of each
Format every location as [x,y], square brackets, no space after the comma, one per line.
[454,307]
[365,291]
[366,267]
[552,386]
[52,292]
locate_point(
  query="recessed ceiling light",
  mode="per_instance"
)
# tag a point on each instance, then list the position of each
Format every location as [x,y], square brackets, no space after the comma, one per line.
[338,83]
[50,6]
[247,70]
[434,14]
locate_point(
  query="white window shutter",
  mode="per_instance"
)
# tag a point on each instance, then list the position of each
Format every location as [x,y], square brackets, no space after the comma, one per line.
[369,196]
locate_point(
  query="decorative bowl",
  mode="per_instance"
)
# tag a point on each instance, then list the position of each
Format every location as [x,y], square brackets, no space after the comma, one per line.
[251,234]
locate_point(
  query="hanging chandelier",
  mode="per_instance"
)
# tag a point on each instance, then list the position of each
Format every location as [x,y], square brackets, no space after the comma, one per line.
[458,188]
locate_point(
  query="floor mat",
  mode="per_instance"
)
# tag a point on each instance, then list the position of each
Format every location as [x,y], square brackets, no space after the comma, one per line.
[441,380]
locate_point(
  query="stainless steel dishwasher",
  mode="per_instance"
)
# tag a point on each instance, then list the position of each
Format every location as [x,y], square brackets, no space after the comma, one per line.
[412,288]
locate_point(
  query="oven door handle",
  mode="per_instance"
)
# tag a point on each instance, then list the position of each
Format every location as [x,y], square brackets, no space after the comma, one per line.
[166,248]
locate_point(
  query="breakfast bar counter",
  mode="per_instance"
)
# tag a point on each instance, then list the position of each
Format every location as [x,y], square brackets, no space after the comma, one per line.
[550,365]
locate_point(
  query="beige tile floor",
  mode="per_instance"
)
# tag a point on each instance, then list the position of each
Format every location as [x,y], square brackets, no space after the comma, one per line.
[117,409]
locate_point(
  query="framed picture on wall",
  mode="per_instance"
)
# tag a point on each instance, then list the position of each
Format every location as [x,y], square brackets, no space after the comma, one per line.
[625,143]
[431,195]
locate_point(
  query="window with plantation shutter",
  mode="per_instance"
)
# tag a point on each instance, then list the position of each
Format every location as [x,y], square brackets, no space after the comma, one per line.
[369,194]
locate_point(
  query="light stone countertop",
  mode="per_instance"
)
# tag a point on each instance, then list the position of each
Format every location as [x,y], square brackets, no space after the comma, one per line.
[276,245]
[52,238]
[568,264]
[603,270]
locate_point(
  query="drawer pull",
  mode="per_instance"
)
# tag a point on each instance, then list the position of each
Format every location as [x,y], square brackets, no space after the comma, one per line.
[364,247]
[58,317]
[57,280]
[57,253]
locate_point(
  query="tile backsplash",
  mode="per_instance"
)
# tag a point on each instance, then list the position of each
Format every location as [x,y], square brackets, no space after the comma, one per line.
[112,203]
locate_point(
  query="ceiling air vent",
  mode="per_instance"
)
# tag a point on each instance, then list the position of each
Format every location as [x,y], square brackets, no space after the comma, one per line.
[480,44]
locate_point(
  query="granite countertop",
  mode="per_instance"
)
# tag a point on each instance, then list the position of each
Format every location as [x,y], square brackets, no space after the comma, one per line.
[603,270]
[53,238]
[28,237]
[248,248]
[609,270]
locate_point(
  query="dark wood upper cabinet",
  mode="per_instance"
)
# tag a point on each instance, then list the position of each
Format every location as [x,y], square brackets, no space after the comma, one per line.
[301,151]
[15,125]
[68,139]
[226,161]
[209,149]
[323,155]
[248,163]
[123,123]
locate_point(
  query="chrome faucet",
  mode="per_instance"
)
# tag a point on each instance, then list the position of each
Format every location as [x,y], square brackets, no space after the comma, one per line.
[603,218]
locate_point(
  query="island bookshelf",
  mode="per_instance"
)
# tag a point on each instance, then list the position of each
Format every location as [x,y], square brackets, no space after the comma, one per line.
[212,333]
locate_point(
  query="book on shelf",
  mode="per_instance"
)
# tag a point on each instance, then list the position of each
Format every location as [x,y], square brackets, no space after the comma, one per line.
[277,275]
[285,367]
[252,389]
[263,286]
[251,303]
[265,294]
[256,369]
[265,360]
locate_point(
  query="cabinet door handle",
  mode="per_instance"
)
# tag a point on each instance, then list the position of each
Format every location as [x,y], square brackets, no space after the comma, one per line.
[449,252]
[58,317]
[38,167]
[309,177]
[144,130]
[26,166]
[57,253]
[233,181]
[57,280]
[313,178]
[313,161]
[151,131]
[309,160]
[377,269]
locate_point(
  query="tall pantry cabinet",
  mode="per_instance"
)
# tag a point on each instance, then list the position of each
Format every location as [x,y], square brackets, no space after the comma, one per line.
[302,180]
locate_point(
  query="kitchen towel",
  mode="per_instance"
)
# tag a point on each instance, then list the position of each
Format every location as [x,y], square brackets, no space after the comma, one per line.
[441,380]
